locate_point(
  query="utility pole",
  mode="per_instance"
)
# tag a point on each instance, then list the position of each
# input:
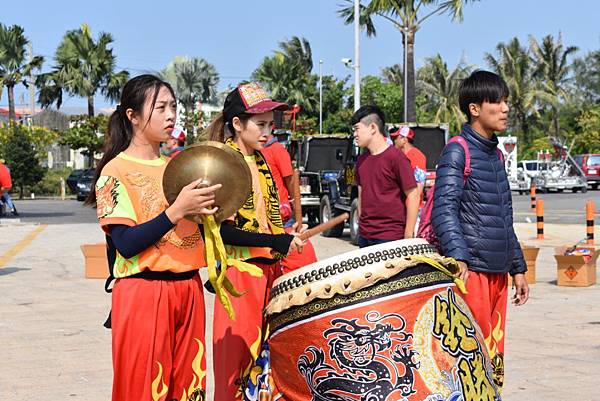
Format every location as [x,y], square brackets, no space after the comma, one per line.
[356,54]
[320,97]
[31,86]
[405,32]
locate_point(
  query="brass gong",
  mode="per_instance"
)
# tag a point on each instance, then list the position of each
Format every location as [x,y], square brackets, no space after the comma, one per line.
[215,163]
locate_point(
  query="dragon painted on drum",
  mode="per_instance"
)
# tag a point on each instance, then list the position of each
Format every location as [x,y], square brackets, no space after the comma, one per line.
[369,362]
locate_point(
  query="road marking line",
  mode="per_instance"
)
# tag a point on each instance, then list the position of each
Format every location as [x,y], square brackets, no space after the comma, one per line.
[4,259]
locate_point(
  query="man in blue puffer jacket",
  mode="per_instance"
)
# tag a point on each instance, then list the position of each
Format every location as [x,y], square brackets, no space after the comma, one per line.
[473,219]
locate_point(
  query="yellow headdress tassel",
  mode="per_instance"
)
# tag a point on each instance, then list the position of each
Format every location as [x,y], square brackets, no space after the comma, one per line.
[215,250]
[451,262]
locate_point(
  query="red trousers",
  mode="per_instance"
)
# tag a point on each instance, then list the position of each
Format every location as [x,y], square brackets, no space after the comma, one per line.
[236,344]
[487,298]
[158,340]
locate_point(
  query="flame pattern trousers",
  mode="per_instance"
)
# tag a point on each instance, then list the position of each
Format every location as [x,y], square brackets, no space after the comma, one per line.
[487,296]
[236,344]
[158,340]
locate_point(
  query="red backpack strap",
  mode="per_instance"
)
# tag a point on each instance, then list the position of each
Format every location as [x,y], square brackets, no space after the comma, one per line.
[463,143]
[500,155]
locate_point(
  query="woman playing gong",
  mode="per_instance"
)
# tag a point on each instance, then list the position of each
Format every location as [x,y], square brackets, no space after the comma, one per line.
[244,125]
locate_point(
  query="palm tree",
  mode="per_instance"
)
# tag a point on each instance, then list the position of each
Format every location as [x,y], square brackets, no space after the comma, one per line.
[586,71]
[50,89]
[513,63]
[84,67]
[13,67]
[194,80]
[286,74]
[298,51]
[440,87]
[552,70]
[407,16]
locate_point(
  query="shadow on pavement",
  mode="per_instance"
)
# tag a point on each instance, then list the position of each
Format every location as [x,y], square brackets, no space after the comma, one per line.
[9,270]
[45,214]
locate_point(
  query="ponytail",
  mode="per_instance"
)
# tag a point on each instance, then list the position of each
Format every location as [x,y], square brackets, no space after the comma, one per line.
[219,129]
[117,139]
[216,130]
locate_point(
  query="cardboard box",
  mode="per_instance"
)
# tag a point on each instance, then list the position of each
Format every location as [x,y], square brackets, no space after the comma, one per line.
[573,271]
[530,254]
[96,262]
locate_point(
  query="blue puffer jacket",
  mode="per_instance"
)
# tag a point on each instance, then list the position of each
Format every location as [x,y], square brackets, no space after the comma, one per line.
[474,220]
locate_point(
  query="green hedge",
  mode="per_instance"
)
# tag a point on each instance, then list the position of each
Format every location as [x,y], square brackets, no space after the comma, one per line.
[48,186]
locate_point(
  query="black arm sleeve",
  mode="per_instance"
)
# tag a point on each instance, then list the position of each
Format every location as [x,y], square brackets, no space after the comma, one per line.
[130,241]
[234,236]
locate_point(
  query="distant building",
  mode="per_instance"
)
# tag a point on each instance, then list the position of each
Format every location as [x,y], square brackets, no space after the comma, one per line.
[4,115]
[60,156]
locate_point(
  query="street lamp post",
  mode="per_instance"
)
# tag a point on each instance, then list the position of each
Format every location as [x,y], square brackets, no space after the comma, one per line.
[320,96]
[405,31]
[356,54]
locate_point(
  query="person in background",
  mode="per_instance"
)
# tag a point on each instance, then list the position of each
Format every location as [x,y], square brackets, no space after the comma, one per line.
[279,162]
[175,143]
[388,201]
[5,186]
[404,139]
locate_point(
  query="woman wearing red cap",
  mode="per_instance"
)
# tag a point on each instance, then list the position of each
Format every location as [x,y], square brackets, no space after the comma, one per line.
[244,125]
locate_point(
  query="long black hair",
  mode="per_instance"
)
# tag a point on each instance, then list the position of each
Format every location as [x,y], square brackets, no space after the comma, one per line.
[120,132]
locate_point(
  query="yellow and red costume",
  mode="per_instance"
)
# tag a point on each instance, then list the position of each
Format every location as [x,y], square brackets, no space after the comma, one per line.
[236,344]
[158,325]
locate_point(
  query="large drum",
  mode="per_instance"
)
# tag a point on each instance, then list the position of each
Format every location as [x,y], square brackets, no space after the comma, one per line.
[376,324]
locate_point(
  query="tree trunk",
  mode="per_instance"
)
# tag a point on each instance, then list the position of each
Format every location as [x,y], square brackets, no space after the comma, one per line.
[21,191]
[525,129]
[411,83]
[12,116]
[556,123]
[90,101]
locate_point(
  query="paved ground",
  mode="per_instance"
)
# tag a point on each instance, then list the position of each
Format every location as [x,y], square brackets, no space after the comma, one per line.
[53,346]
[563,208]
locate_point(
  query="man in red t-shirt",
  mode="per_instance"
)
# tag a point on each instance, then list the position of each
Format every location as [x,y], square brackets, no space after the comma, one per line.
[387,195]
[5,186]
[176,142]
[5,180]
[279,162]
[403,138]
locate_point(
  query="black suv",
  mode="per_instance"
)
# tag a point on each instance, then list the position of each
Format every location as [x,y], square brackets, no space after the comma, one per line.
[339,192]
[84,185]
[73,178]
[323,160]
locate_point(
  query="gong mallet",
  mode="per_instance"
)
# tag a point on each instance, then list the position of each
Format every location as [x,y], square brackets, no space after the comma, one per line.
[325,226]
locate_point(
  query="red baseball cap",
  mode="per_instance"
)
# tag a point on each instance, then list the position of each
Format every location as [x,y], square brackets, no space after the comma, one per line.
[249,98]
[178,134]
[403,130]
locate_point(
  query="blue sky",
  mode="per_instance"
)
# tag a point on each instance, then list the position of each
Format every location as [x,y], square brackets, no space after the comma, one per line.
[235,35]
